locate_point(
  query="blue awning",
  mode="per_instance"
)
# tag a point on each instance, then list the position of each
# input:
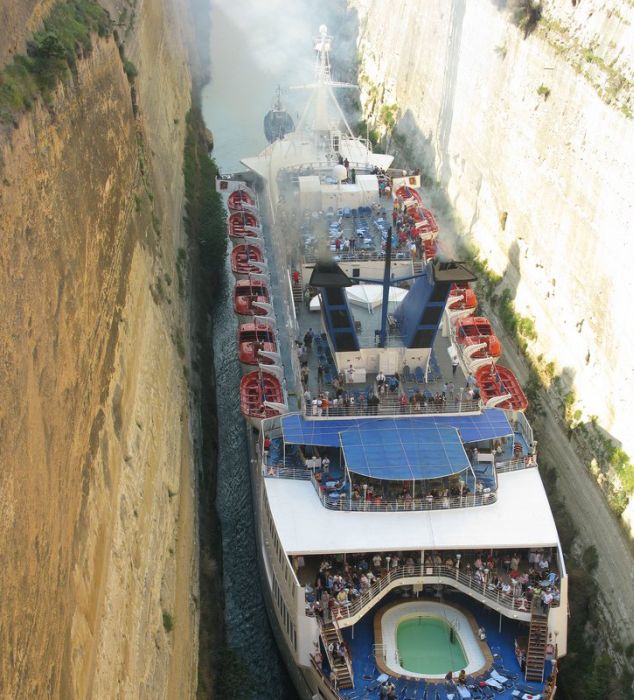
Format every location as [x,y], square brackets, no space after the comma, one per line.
[323,433]
[396,449]
[491,424]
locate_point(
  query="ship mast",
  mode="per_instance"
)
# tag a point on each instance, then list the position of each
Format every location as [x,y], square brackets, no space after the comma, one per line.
[322,89]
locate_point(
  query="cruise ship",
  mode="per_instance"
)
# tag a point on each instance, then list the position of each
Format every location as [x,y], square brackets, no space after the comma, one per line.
[406,543]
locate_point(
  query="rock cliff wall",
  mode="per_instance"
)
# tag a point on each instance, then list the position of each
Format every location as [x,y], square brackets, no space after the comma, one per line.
[533,140]
[97,508]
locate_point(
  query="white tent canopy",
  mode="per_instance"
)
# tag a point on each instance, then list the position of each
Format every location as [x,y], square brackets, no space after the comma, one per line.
[367,295]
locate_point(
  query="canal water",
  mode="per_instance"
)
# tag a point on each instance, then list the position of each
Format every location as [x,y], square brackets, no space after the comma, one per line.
[252,52]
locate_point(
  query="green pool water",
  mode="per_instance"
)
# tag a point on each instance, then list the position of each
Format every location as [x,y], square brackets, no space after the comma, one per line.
[424,646]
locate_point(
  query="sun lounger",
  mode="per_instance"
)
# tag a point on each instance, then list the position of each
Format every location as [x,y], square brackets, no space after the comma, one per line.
[419,374]
[503,680]
[462,691]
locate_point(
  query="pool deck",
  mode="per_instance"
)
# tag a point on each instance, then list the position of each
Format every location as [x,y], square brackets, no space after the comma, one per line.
[425,608]
[500,633]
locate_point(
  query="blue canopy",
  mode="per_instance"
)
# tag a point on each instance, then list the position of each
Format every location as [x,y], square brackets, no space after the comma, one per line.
[394,449]
[492,423]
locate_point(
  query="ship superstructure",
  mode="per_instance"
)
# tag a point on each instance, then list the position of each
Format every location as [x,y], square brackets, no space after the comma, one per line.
[408,548]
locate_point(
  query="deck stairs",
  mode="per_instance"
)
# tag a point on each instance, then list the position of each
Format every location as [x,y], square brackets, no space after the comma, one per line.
[417,266]
[537,639]
[331,634]
[298,290]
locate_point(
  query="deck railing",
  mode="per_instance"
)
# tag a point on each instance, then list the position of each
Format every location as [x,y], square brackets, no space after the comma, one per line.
[389,406]
[341,500]
[515,464]
[360,256]
[408,575]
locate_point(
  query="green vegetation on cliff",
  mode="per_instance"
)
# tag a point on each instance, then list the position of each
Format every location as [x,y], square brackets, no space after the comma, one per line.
[205,215]
[51,53]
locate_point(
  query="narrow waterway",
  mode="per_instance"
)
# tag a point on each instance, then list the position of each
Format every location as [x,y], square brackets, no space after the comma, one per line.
[248,63]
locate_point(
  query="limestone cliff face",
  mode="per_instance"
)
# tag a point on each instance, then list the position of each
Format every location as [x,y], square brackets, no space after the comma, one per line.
[554,167]
[97,510]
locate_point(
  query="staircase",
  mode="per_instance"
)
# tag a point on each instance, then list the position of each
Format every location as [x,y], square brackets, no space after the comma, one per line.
[537,637]
[330,634]
[417,266]
[298,289]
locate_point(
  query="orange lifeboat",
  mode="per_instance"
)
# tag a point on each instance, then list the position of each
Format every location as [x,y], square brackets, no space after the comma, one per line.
[242,258]
[256,388]
[245,292]
[424,221]
[249,336]
[469,299]
[240,223]
[409,196]
[496,382]
[239,199]
[474,330]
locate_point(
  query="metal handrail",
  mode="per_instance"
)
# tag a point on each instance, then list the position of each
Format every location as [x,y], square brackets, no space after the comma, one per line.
[345,502]
[403,573]
[361,256]
[515,464]
[281,471]
[392,407]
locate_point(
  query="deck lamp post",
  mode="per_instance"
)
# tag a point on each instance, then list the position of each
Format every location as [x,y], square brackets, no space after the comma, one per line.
[485,579]
[458,558]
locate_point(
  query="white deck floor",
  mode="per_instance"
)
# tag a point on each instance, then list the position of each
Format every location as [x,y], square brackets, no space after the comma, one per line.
[520,518]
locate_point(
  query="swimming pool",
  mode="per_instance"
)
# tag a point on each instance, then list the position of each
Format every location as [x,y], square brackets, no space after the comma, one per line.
[430,646]
[425,639]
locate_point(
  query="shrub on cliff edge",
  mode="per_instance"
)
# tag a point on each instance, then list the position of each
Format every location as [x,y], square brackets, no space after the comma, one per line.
[51,51]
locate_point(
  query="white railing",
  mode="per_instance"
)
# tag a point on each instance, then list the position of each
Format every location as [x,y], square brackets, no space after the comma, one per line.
[390,406]
[340,500]
[408,575]
[513,465]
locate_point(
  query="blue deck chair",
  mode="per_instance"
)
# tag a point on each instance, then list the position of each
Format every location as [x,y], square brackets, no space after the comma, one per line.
[420,375]
[434,367]
[407,375]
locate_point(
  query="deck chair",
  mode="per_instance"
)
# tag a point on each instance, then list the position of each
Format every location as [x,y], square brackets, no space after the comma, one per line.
[462,692]
[407,375]
[497,686]
[502,680]
[420,375]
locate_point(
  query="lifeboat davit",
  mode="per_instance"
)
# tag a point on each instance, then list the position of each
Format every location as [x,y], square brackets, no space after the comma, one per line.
[499,388]
[467,297]
[257,389]
[243,223]
[245,292]
[238,199]
[253,337]
[424,221]
[409,196]
[243,257]
[477,330]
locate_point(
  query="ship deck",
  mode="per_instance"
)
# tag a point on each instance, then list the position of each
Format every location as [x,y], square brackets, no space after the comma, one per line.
[521,517]
[500,635]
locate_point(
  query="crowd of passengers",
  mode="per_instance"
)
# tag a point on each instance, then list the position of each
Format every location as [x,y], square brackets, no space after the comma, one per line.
[520,576]
[381,492]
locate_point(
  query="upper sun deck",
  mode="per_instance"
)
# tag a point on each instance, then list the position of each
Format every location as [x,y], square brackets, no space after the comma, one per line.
[520,517]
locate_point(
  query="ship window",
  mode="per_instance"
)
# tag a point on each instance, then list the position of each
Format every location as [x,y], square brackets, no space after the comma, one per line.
[335,296]
[431,316]
[439,292]
[339,319]
[423,339]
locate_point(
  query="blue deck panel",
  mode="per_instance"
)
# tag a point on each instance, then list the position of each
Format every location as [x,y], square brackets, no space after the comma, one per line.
[403,450]
[490,424]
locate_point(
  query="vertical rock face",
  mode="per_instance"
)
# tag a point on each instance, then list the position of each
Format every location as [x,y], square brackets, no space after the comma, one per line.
[536,162]
[97,511]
